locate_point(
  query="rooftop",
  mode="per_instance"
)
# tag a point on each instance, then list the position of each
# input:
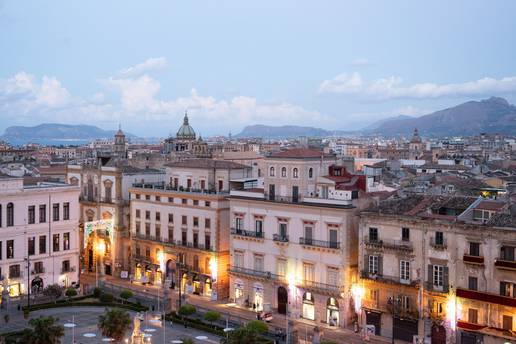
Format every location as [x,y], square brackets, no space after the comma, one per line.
[207,163]
[300,153]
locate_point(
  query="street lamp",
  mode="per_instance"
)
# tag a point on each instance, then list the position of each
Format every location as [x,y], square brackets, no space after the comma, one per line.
[101,249]
[358,292]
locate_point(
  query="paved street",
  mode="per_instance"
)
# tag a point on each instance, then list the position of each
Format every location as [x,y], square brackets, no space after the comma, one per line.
[86,320]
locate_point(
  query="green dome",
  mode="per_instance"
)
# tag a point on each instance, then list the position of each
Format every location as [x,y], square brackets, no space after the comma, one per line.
[185,132]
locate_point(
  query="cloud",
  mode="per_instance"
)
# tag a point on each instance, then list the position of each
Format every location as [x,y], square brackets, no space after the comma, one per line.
[150,65]
[133,98]
[393,88]
[361,62]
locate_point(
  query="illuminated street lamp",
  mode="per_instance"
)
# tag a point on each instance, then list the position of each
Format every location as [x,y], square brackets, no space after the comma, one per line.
[358,292]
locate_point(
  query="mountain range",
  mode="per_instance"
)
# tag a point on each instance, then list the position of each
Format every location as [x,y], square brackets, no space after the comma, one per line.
[55,133]
[286,131]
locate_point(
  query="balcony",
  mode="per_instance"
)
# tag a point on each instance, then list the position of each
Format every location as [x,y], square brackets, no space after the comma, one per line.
[436,288]
[438,244]
[477,260]
[178,189]
[399,245]
[38,271]
[249,234]
[252,273]
[68,269]
[319,243]
[319,287]
[387,279]
[486,297]
[280,238]
[501,263]
[402,312]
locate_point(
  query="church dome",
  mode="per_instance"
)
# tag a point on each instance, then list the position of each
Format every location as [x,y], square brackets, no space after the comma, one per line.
[416,138]
[185,132]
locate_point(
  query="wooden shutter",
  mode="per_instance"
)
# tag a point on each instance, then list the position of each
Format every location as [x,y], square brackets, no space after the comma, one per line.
[445,278]
[380,265]
[430,276]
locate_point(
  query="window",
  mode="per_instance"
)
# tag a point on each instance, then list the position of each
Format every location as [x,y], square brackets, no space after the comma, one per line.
[258,262]
[439,238]
[195,202]
[474,249]
[158,216]
[282,230]
[147,215]
[171,200]
[31,214]
[158,198]
[65,266]
[138,196]
[14,271]
[196,221]
[310,172]
[170,234]
[221,185]
[147,229]
[239,259]
[507,289]
[10,215]
[137,226]
[507,322]
[31,246]
[207,241]
[334,241]
[170,218]
[108,193]
[332,276]
[188,183]
[42,213]
[147,252]
[183,238]
[195,239]
[507,253]
[308,272]
[405,271]
[258,226]
[472,283]
[207,203]
[405,302]
[147,197]
[207,223]
[405,234]
[295,173]
[66,241]
[373,265]
[42,244]
[271,172]
[137,213]
[281,267]
[438,275]
[374,294]
[203,184]
[283,172]
[238,223]
[55,243]
[10,249]
[473,315]
[184,220]
[373,234]
[55,212]
[158,231]
[184,201]
[38,267]
[66,211]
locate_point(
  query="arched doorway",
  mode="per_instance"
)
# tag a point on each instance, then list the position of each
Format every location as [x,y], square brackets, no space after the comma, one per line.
[332,312]
[282,300]
[308,306]
[258,297]
[239,292]
[438,334]
[196,285]
[184,280]
[138,272]
[36,285]
[207,287]
[158,277]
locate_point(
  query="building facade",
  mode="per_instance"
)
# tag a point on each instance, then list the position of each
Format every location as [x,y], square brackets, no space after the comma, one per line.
[39,240]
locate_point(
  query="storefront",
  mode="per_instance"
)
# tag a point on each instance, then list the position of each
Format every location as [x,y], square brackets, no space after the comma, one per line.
[308,306]
[258,297]
[239,292]
[332,312]
[207,287]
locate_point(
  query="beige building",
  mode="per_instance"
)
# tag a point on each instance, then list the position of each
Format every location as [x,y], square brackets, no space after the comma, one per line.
[291,249]
[440,269]
[104,212]
[180,229]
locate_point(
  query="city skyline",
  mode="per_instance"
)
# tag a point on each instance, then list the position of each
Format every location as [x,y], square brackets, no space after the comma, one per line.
[332,66]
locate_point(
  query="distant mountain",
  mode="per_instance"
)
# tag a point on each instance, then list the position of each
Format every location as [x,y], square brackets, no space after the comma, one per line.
[377,124]
[54,133]
[286,131]
[493,115]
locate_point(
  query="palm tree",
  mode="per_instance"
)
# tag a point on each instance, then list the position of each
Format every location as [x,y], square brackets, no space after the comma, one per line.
[45,330]
[114,323]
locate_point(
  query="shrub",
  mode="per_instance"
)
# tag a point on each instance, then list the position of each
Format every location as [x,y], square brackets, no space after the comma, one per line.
[126,294]
[187,310]
[71,292]
[54,291]
[211,316]
[106,297]
[257,326]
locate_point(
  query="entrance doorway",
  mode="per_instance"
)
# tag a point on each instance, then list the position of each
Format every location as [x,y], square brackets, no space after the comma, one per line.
[36,285]
[438,334]
[373,318]
[282,300]
[90,260]
[332,312]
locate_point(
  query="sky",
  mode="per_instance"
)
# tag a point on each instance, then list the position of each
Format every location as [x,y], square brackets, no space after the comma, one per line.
[329,64]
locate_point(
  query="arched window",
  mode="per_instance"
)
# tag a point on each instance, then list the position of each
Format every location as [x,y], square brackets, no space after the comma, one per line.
[10,215]
[310,172]
[295,173]
[283,172]
[271,171]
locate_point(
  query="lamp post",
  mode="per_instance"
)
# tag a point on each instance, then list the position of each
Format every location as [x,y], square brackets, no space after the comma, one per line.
[357,291]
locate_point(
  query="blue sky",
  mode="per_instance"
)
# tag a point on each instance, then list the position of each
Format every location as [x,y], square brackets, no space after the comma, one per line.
[330,64]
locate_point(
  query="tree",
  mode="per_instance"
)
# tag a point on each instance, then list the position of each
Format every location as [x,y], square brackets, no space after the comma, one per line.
[114,323]
[126,294]
[241,335]
[211,316]
[70,292]
[187,310]
[258,326]
[53,291]
[45,330]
